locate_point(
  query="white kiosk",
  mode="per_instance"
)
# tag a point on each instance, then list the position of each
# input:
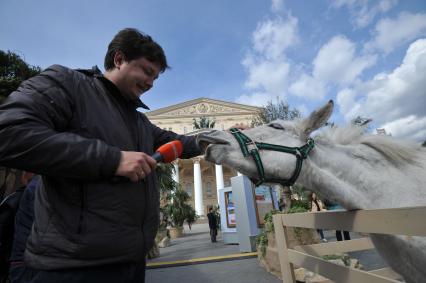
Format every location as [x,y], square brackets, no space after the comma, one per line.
[242,208]
[227,216]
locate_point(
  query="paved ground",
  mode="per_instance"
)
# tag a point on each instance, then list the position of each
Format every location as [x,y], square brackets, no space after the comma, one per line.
[236,271]
[196,244]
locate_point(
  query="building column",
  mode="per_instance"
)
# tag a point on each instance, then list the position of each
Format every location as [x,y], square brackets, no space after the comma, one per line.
[219,180]
[198,188]
[176,173]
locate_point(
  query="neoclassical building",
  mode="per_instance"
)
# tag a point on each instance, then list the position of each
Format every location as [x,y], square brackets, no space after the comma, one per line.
[202,179]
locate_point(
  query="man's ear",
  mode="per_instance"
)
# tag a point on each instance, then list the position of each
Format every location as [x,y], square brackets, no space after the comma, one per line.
[317,119]
[118,59]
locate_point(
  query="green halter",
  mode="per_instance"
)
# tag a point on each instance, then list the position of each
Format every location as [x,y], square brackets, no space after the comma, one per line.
[250,147]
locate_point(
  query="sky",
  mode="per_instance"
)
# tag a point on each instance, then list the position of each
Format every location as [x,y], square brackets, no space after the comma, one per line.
[368,56]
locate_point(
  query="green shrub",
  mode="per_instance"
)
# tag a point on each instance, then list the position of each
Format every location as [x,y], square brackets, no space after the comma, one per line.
[262,241]
[178,210]
[268,226]
[297,209]
[300,203]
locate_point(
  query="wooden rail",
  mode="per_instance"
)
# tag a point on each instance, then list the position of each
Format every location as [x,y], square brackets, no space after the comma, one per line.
[394,221]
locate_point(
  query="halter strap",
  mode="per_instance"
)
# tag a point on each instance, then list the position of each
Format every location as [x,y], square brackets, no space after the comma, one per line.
[250,147]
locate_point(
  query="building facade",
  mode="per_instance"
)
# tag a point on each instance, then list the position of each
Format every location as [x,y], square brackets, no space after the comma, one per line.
[202,179]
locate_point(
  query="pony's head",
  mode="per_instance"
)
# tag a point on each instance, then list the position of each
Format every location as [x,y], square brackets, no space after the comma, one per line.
[222,147]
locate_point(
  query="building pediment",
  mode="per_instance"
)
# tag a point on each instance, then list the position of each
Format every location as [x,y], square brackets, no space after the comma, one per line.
[202,107]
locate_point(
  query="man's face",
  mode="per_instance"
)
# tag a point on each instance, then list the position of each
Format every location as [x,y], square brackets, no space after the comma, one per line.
[136,77]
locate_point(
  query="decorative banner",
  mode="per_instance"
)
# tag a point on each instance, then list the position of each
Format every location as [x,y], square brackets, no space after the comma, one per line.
[263,202]
[230,210]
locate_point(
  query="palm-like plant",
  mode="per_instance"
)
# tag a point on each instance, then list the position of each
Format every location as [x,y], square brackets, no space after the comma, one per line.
[175,208]
[178,210]
[166,183]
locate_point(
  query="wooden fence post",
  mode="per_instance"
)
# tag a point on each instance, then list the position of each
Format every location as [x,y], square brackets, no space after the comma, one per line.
[287,270]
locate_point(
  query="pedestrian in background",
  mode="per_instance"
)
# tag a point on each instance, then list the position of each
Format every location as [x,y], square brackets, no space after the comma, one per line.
[212,224]
[315,205]
[23,222]
[340,235]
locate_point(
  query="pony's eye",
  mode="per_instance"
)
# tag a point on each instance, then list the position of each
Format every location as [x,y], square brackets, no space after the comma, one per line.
[276,126]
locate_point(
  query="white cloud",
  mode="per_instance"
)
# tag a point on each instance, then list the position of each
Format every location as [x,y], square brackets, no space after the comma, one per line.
[277,5]
[412,127]
[258,99]
[308,87]
[362,14]
[267,75]
[392,33]
[394,100]
[266,64]
[337,62]
[340,3]
[346,100]
[272,37]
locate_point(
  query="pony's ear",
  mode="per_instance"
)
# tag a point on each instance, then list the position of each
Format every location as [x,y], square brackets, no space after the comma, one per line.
[317,119]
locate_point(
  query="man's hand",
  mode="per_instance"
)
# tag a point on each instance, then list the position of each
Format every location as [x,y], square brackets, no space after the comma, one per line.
[135,165]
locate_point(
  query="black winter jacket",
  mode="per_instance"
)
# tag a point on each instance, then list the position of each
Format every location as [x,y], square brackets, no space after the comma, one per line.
[69,127]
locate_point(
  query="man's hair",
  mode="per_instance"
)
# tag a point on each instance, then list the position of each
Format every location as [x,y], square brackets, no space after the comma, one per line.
[134,44]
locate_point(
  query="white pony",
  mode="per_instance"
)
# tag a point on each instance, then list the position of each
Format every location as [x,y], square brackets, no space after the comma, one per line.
[357,170]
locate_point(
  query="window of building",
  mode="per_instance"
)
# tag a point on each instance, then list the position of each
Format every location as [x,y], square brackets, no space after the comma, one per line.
[170,128]
[188,189]
[209,191]
[184,130]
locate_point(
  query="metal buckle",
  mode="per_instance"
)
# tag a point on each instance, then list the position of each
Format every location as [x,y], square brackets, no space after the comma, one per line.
[251,145]
[234,130]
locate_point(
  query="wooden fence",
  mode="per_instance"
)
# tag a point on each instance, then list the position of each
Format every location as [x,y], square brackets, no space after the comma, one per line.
[397,221]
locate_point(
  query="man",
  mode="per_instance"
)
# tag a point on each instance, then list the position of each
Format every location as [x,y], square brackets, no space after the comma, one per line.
[212,224]
[97,207]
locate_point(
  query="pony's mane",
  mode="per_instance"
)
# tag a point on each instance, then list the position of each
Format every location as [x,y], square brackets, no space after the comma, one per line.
[394,150]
